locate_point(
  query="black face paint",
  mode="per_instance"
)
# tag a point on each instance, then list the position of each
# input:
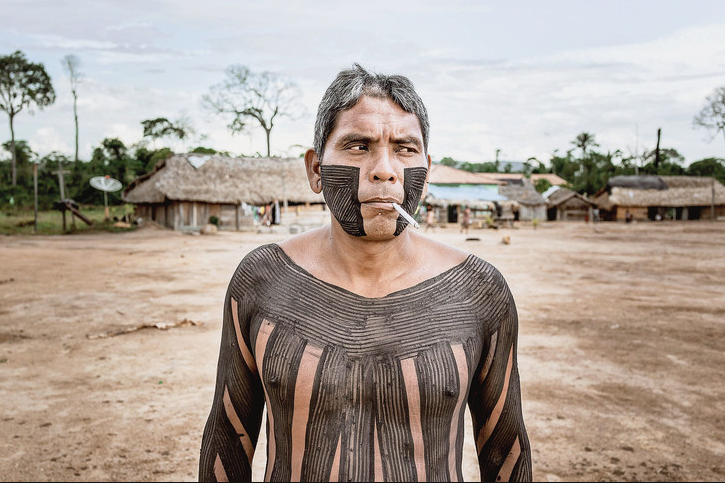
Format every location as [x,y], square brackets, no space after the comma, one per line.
[340,189]
[340,185]
[413,184]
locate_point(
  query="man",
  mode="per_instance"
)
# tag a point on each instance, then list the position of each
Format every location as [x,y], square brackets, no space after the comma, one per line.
[364,338]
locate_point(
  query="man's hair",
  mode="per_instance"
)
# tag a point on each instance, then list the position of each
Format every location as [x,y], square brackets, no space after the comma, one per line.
[352,84]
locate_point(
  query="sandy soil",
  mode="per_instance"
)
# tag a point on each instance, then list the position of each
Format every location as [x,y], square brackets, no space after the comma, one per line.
[621,354]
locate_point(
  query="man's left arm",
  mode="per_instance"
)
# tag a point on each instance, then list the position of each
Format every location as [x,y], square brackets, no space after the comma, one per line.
[502,444]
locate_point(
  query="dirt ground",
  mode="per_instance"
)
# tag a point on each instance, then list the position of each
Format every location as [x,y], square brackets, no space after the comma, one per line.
[621,353]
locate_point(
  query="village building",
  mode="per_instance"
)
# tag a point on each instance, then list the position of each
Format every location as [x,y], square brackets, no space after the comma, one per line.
[451,190]
[649,197]
[563,204]
[185,191]
[517,178]
[531,205]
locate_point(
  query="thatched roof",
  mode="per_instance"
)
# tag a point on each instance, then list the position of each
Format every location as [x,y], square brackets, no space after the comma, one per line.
[525,193]
[442,174]
[220,179]
[562,195]
[679,191]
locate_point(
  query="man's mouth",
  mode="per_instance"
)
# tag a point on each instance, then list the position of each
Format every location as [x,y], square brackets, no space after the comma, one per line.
[380,203]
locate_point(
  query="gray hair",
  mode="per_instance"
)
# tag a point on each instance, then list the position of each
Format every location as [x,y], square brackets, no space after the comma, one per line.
[352,84]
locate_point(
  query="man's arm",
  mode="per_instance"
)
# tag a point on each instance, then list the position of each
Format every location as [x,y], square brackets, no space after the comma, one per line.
[495,399]
[231,431]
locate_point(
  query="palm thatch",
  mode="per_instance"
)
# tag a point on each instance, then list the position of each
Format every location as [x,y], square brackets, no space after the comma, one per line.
[220,179]
[564,195]
[679,191]
[524,193]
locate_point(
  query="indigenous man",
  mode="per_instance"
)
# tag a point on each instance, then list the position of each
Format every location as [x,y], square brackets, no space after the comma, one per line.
[365,339]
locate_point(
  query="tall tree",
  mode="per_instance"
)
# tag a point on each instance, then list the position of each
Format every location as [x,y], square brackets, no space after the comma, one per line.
[248,96]
[712,116]
[22,84]
[161,127]
[71,65]
[583,141]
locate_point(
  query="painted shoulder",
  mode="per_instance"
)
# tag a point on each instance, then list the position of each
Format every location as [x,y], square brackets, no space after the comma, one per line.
[257,267]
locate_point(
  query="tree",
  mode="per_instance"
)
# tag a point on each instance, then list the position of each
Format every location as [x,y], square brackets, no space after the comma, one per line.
[247,96]
[71,65]
[711,167]
[542,184]
[161,127]
[583,141]
[22,84]
[712,116]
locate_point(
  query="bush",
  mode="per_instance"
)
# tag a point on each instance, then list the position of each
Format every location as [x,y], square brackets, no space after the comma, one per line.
[214,220]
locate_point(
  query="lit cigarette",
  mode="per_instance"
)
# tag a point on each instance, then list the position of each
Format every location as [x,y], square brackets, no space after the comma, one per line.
[405,215]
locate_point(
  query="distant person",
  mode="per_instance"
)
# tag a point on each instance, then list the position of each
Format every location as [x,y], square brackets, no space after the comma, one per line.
[364,339]
[627,216]
[430,219]
[595,215]
[276,217]
[466,220]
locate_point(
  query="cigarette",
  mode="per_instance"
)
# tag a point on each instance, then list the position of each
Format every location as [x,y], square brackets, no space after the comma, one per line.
[405,215]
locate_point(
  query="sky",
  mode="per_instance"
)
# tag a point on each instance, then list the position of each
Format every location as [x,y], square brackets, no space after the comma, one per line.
[522,77]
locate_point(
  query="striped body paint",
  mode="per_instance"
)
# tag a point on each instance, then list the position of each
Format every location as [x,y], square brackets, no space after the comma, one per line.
[361,389]
[340,186]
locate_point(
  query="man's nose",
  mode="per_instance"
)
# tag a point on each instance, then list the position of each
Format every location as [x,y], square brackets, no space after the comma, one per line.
[383,169]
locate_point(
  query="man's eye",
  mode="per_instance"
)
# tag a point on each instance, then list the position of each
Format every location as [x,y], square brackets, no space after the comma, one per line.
[358,147]
[406,149]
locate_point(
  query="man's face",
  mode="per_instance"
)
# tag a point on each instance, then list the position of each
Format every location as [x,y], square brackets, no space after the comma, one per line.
[385,144]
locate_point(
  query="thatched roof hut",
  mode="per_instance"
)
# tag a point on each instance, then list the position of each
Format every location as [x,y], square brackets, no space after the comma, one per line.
[564,204]
[221,179]
[645,196]
[186,191]
[673,191]
[532,206]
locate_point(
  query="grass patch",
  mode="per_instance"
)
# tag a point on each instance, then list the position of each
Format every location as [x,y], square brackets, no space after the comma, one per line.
[50,222]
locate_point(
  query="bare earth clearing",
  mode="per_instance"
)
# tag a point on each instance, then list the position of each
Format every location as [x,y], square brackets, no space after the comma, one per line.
[621,353]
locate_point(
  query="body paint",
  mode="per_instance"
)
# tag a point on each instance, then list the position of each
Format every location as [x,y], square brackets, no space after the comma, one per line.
[340,185]
[413,184]
[340,189]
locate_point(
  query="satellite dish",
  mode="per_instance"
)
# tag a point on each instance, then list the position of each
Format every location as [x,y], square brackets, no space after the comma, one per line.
[106,183]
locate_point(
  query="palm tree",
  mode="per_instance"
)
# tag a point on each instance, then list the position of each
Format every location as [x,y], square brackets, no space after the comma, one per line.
[583,141]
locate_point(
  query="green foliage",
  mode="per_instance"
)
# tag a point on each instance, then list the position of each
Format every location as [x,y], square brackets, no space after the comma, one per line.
[214,220]
[449,162]
[714,167]
[542,185]
[22,84]
[203,150]
[161,127]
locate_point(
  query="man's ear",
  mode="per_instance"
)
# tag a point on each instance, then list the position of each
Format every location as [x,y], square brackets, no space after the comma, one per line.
[312,165]
[425,186]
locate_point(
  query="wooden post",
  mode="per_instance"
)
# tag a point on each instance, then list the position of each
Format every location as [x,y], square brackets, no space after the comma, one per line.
[657,149]
[61,186]
[712,200]
[35,185]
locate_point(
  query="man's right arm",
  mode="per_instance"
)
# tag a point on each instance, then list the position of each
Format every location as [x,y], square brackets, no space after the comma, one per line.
[232,429]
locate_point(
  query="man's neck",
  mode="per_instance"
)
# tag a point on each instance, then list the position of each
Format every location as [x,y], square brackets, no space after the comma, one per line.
[370,265]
